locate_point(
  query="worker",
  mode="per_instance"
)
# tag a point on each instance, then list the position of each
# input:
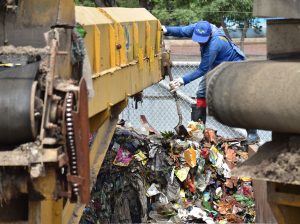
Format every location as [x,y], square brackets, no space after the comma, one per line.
[215,48]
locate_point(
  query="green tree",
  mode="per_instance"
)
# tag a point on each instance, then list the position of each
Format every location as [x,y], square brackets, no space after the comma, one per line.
[99,3]
[85,2]
[183,12]
[237,11]
[178,12]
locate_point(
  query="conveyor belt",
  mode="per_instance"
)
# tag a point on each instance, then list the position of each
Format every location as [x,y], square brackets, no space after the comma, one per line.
[16,107]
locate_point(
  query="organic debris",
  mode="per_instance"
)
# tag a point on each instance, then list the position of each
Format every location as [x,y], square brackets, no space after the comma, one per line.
[154,179]
[275,162]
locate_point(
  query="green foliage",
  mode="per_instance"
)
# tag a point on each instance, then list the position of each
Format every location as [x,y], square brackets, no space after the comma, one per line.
[128,3]
[236,10]
[178,12]
[184,12]
[176,17]
[167,134]
[85,3]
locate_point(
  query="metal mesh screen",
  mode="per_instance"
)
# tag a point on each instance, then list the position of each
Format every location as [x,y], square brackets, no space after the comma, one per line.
[160,109]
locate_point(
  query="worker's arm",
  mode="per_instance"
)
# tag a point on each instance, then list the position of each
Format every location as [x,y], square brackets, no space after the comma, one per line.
[180,31]
[208,57]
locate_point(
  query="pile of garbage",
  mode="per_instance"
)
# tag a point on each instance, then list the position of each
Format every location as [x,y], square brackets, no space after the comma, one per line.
[164,178]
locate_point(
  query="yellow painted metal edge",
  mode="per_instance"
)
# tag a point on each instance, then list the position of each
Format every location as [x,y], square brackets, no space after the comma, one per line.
[152,59]
[123,58]
[101,10]
[116,25]
[141,58]
[148,39]
[158,38]
[135,41]
[97,56]
[112,45]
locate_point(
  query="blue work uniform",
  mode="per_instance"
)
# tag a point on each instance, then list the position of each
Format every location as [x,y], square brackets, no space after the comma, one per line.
[218,49]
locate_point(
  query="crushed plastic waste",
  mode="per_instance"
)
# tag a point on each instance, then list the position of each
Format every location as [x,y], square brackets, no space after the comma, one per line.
[165,179]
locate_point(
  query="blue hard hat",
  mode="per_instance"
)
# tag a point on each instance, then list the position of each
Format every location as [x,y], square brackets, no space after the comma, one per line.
[202,32]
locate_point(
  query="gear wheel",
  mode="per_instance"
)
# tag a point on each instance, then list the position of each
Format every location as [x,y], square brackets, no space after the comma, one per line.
[71,146]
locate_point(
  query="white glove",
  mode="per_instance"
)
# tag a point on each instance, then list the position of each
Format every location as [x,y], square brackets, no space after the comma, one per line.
[164,29]
[175,84]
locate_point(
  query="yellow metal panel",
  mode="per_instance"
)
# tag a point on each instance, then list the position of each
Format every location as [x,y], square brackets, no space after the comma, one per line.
[142,35]
[104,45]
[123,75]
[151,58]
[49,210]
[112,87]
[90,16]
[128,35]
[135,41]
[153,33]
[148,39]
[104,12]
[121,15]
[141,58]
[123,59]
[97,50]
[46,212]
[117,43]
[112,46]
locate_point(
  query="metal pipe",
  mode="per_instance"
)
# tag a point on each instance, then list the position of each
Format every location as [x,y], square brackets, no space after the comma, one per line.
[180,94]
[256,94]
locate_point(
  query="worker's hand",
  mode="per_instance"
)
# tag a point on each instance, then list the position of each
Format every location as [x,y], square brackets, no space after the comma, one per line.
[164,29]
[175,84]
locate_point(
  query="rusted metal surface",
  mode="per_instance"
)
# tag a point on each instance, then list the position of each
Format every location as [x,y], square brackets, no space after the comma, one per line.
[256,94]
[81,131]
[66,13]
[25,26]
[52,63]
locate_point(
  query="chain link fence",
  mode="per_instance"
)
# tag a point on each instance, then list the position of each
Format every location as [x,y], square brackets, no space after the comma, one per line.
[159,107]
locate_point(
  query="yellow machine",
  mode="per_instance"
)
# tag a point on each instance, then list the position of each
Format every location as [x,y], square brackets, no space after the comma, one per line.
[70,74]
